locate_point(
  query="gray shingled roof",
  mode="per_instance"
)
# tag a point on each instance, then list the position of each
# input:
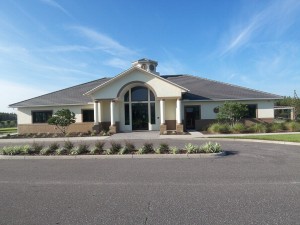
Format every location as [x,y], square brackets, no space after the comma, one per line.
[200,89]
[69,96]
[205,89]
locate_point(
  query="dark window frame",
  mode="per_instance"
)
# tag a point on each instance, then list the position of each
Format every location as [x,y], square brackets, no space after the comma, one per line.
[90,117]
[127,113]
[249,114]
[41,119]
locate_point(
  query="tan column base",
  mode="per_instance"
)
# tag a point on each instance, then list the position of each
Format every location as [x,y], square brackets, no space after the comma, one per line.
[113,129]
[179,128]
[163,129]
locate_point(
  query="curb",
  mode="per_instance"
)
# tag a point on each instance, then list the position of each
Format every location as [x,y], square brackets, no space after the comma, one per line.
[146,156]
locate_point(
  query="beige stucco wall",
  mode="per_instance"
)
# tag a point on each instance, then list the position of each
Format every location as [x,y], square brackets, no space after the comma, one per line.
[110,91]
[170,109]
[105,111]
[24,114]
[264,108]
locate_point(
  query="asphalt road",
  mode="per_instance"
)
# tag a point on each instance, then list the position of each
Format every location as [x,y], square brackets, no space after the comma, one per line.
[254,184]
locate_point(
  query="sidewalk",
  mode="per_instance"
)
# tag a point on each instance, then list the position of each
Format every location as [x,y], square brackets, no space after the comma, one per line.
[151,135]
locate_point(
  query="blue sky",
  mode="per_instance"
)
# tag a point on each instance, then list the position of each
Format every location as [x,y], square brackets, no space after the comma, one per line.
[47,45]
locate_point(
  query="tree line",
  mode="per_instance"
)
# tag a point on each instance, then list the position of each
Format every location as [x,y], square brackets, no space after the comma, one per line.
[8,116]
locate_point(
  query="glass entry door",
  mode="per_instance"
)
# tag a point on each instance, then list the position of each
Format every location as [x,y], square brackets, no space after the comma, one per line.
[191,114]
[140,116]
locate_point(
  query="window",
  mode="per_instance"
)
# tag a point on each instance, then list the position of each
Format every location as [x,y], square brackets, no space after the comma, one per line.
[251,111]
[139,107]
[127,120]
[126,97]
[152,105]
[87,115]
[41,116]
[139,94]
[152,97]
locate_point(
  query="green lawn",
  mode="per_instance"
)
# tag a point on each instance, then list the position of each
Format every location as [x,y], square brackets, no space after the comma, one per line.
[273,137]
[8,130]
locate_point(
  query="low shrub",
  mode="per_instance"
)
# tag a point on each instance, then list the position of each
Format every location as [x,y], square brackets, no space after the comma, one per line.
[258,128]
[225,128]
[104,133]
[53,147]
[128,148]
[35,148]
[239,128]
[25,149]
[275,127]
[146,148]
[123,151]
[190,148]
[222,128]
[11,150]
[115,147]
[80,149]
[162,148]
[93,133]
[210,148]
[98,148]
[62,151]
[15,150]
[75,151]
[214,128]
[46,151]
[293,126]
[174,150]
[68,145]
[84,148]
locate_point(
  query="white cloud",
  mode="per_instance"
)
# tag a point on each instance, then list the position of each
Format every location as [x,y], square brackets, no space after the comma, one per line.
[104,42]
[274,19]
[15,92]
[58,6]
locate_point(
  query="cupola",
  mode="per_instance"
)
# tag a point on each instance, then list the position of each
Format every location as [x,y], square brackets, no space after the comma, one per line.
[146,64]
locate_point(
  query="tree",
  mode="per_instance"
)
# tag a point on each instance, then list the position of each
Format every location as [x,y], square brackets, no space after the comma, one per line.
[291,101]
[62,119]
[232,112]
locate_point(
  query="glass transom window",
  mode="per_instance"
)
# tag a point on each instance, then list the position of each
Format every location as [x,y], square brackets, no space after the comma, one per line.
[139,94]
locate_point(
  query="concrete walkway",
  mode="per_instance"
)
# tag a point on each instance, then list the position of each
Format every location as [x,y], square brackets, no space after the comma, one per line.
[135,135]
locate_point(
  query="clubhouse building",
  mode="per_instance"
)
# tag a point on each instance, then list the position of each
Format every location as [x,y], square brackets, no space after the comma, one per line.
[140,98]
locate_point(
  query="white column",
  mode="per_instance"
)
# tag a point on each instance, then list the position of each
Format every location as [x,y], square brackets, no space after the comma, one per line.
[112,110]
[162,112]
[293,114]
[178,111]
[96,113]
[99,112]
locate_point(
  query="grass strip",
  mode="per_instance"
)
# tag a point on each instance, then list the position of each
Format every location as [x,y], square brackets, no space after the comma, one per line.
[275,137]
[8,130]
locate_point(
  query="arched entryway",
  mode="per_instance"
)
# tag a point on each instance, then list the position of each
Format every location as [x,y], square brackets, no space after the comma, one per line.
[139,108]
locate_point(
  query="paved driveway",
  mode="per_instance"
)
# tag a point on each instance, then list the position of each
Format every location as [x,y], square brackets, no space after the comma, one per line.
[254,184]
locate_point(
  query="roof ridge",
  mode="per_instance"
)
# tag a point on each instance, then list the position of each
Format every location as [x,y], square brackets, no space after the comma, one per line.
[59,90]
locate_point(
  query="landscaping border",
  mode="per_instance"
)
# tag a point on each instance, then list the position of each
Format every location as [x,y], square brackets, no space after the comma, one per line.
[128,156]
